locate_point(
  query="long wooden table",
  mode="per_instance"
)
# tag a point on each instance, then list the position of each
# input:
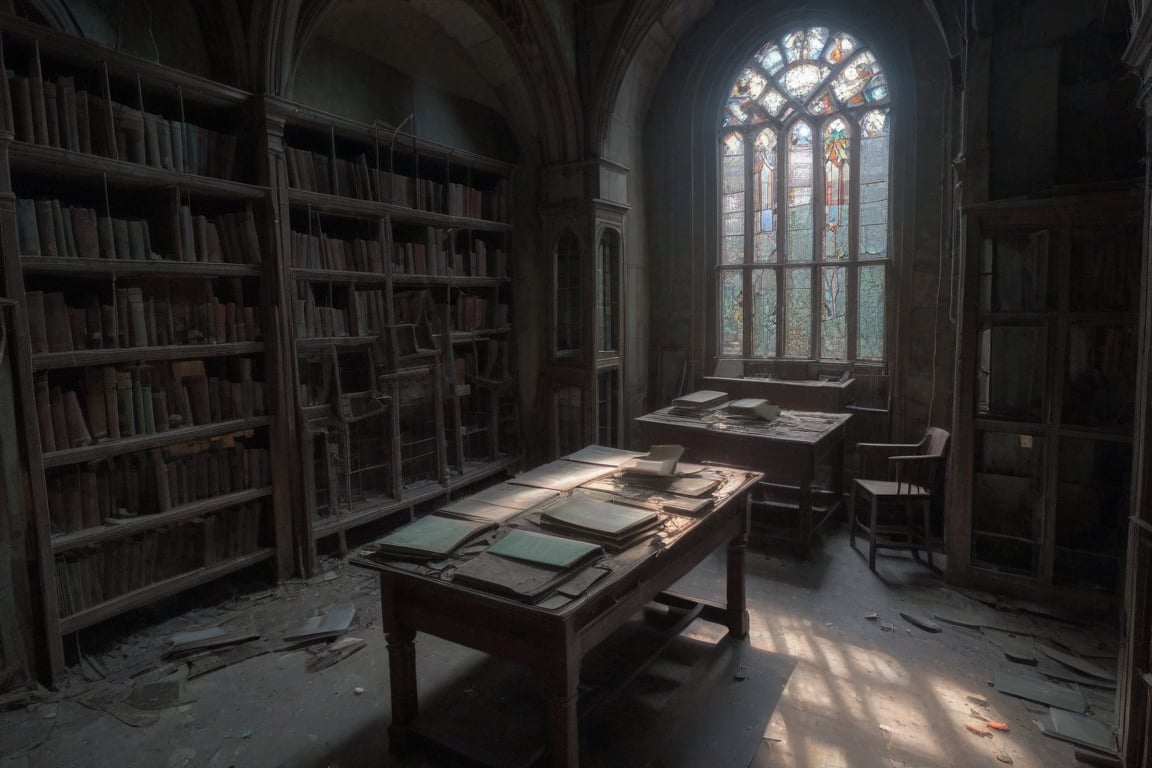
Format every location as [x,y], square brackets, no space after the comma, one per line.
[789,451]
[552,643]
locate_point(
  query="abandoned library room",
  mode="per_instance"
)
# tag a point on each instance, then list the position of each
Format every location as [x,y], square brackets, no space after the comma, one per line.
[561,383]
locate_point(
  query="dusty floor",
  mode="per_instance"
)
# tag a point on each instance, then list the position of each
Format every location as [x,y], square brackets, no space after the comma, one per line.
[831,675]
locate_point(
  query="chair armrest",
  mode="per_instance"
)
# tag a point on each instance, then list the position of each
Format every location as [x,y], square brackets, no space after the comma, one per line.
[885,450]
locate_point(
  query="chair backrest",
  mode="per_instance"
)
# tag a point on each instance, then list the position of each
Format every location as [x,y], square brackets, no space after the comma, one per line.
[925,474]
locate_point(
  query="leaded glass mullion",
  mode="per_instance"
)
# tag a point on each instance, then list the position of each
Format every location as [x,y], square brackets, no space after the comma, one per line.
[854,241]
[749,239]
[818,221]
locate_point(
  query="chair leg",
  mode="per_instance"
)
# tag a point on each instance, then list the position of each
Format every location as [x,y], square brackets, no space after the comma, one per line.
[872,534]
[912,535]
[928,534]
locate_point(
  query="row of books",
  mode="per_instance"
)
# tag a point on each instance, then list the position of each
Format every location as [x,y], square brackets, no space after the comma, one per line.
[58,113]
[225,237]
[324,252]
[125,487]
[473,203]
[365,315]
[474,312]
[484,360]
[415,258]
[47,228]
[88,576]
[133,320]
[111,403]
[317,172]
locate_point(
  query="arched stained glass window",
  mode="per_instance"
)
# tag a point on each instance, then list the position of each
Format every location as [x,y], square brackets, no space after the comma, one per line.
[803,179]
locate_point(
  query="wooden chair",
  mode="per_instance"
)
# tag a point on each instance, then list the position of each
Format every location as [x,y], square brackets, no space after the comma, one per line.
[897,483]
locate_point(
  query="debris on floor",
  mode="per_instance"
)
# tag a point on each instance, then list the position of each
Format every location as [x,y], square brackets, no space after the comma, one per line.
[324,657]
[1037,690]
[1077,729]
[331,622]
[233,630]
[922,622]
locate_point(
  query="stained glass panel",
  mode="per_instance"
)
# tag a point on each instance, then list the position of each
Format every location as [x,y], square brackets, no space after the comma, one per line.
[736,111]
[764,312]
[749,85]
[804,44]
[874,185]
[732,199]
[861,81]
[764,187]
[772,101]
[732,312]
[837,188]
[802,79]
[833,313]
[822,104]
[839,48]
[870,313]
[799,245]
[770,58]
[797,312]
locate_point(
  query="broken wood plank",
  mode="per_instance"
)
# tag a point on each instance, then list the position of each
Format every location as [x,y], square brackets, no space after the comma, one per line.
[335,653]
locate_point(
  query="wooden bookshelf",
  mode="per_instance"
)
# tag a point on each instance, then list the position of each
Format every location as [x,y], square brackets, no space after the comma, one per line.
[238,275]
[398,263]
[1042,452]
[142,256]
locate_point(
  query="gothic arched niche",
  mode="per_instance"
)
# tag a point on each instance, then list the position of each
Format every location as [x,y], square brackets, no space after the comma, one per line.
[165,31]
[439,68]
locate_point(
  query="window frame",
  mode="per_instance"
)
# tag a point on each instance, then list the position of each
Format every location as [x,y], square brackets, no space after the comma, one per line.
[792,113]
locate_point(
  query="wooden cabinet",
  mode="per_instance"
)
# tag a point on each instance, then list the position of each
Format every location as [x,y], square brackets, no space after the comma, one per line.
[585,358]
[140,254]
[398,275]
[1041,471]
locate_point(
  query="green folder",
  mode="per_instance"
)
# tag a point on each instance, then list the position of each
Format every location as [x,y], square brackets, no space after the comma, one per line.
[540,548]
[431,536]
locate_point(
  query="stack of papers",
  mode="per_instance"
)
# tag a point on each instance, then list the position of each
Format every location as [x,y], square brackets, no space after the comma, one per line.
[561,475]
[599,454]
[473,509]
[525,565]
[613,525]
[430,537]
[660,460]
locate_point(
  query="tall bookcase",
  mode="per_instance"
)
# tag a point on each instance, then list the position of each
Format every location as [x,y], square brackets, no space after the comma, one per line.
[1042,455]
[143,259]
[243,325]
[399,279]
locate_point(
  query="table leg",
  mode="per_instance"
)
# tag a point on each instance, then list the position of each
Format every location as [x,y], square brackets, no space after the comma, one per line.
[563,729]
[737,606]
[402,671]
[805,522]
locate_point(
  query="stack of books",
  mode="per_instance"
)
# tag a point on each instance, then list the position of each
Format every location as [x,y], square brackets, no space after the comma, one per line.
[697,403]
[752,408]
[526,565]
[614,526]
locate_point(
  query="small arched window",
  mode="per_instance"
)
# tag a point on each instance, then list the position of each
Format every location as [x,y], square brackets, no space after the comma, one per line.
[804,189]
